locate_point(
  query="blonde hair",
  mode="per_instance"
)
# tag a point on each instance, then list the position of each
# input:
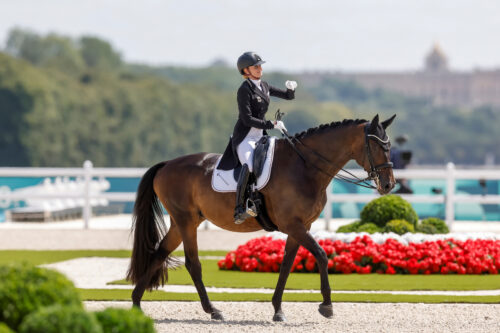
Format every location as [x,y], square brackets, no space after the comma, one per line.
[245,76]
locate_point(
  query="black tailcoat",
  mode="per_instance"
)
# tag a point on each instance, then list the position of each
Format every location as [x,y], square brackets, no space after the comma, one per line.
[252,106]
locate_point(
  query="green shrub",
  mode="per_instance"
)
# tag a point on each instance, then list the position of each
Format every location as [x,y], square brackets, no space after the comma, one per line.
[399,227]
[426,229]
[5,329]
[369,227]
[351,227]
[124,321]
[437,223]
[25,289]
[387,208]
[60,319]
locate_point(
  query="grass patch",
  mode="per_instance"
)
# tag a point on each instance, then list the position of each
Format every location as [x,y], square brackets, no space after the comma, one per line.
[48,257]
[213,277]
[51,256]
[124,295]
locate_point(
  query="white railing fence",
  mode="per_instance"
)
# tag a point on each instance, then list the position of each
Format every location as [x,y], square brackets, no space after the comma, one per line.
[451,174]
[88,172]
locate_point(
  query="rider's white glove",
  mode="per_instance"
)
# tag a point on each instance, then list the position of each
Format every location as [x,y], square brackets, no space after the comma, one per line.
[279,125]
[291,85]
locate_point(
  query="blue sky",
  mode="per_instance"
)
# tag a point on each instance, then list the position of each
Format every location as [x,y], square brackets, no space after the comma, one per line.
[347,35]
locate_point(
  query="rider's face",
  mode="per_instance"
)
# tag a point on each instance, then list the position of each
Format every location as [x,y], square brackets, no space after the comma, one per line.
[255,72]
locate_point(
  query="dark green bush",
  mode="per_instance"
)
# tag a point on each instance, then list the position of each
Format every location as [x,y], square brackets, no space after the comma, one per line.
[426,229]
[387,208]
[351,227]
[25,289]
[60,319]
[399,227]
[437,223]
[369,227]
[5,329]
[124,321]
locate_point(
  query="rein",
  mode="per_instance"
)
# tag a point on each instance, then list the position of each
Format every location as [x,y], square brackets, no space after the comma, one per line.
[373,174]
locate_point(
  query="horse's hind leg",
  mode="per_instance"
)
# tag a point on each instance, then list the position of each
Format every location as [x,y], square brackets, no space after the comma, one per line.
[193,265]
[169,243]
[291,248]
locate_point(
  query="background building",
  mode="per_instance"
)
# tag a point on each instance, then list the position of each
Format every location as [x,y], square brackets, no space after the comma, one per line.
[435,81]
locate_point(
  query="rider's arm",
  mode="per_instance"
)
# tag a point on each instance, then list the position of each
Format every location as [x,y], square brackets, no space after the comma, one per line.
[285,94]
[245,111]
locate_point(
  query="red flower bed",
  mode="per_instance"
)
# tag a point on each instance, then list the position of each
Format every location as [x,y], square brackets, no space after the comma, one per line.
[364,256]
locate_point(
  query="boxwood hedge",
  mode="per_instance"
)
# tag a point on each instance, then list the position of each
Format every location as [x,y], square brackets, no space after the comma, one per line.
[114,320]
[399,227]
[387,208]
[60,319]
[25,289]
[438,224]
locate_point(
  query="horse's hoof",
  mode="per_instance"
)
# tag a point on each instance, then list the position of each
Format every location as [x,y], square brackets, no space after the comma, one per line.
[217,315]
[279,316]
[137,306]
[326,310]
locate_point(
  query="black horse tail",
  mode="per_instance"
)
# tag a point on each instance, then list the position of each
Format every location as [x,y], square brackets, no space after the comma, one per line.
[149,229]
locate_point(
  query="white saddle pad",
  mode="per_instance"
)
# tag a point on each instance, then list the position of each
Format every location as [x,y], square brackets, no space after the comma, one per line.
[223,180]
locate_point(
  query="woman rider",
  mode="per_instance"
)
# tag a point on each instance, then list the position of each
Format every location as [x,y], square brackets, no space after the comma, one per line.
[253,101]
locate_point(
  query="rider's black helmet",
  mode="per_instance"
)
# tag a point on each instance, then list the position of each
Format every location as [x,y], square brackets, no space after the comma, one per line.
[248,59]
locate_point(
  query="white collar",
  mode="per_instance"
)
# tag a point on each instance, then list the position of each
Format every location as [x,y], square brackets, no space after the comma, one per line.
[257,83]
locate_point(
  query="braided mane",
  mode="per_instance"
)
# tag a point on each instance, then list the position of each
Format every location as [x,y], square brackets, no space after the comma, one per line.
[332,125]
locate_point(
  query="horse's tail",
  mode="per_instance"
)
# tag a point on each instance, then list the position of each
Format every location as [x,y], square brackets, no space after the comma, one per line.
[149,229]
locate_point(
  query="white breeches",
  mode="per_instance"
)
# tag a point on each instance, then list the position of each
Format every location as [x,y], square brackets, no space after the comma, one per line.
[246,147]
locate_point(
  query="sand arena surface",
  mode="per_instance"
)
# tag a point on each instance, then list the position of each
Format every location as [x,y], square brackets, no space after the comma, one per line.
[304,317]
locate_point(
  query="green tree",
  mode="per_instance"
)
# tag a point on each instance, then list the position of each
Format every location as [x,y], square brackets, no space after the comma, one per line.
[98,53]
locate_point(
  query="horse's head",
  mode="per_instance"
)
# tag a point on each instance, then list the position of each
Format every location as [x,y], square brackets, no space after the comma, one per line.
[375,158]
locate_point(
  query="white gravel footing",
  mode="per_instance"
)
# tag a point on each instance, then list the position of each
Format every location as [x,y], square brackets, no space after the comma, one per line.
[304,317]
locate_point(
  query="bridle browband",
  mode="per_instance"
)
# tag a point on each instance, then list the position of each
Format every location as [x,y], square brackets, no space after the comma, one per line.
[373,174]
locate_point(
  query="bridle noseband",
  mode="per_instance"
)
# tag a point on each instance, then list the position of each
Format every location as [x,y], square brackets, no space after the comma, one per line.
[373,174]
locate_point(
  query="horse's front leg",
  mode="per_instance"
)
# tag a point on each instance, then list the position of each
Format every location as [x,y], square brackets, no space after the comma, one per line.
[298,231]
[291,248]
[193,266]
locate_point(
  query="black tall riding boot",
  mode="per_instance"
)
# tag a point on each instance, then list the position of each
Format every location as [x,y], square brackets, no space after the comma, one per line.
[241,213]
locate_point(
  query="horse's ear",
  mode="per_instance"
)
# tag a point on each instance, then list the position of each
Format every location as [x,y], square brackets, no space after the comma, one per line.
[387,122]
[374,124]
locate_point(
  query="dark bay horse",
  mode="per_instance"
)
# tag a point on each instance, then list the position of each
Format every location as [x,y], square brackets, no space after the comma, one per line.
[294,197]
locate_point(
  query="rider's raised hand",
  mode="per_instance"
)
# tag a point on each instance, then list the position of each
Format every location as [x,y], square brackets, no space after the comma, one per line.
[279,125]
[291,85]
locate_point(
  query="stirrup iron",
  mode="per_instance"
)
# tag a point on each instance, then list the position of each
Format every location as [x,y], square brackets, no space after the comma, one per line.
[251,209]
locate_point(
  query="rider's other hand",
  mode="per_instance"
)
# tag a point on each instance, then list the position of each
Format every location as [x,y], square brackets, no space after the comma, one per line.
[291,85]
[279,125]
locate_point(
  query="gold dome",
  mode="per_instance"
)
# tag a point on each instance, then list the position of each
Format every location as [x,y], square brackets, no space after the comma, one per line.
[436,60]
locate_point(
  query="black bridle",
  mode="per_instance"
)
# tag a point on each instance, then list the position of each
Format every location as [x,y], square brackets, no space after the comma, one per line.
[385,145]
[373,174]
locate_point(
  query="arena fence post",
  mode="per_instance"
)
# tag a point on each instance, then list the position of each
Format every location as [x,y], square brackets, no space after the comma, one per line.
[450,194]
[87,209]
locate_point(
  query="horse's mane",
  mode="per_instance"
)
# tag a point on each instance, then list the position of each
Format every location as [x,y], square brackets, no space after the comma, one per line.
[332,125]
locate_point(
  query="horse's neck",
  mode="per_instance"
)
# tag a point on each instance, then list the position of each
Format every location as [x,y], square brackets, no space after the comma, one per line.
[331,150]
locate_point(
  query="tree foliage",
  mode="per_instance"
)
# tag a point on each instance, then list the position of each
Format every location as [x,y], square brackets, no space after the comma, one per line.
[63,101]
